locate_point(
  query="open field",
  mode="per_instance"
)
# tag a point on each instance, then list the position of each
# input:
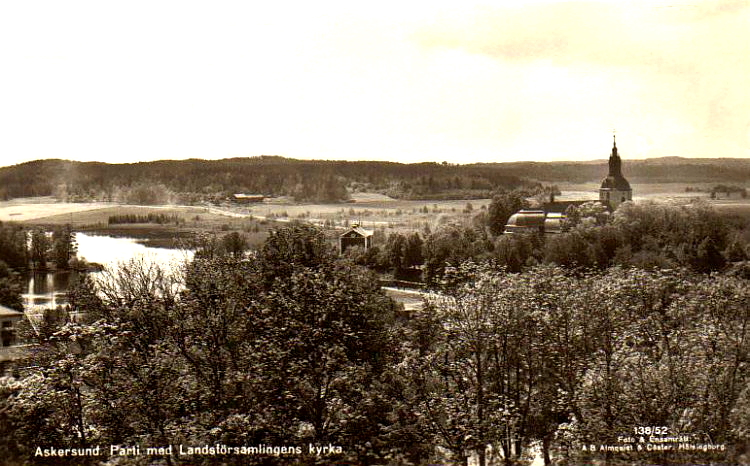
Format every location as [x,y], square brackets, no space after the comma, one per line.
[651,191]
[667,192]
[740,209]
[98,216]
[22,210]
[379,211]
[371,210]
[191,220]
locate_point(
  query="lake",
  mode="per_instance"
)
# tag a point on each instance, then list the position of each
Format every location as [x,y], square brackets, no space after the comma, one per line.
[45,290]
[48,290]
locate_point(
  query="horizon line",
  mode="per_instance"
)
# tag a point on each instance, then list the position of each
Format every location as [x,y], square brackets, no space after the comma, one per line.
[598,160]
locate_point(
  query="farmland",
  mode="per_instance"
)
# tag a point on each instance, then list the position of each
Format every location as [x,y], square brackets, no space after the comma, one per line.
[371,210]
[94,217]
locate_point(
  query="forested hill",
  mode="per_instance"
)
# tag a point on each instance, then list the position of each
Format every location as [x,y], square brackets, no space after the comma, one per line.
[304,180]
[657,170]
[316,180]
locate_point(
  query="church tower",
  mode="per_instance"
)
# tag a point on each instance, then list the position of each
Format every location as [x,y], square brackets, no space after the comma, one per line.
[615,188]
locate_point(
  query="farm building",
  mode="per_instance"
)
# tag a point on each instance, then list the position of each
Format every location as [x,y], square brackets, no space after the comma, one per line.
[9,349]
[8,320]
[241,198]
[355,236]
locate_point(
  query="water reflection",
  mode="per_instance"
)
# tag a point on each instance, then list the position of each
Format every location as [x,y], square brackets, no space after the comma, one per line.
[110,251]
[45,290]
[48,289]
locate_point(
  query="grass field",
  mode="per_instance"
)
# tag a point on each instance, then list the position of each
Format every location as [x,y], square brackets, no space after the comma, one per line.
[191,220]
[671,192]
[374,211]
[33,208]
[736,209]
[652,191]
[371,210]
[191,216]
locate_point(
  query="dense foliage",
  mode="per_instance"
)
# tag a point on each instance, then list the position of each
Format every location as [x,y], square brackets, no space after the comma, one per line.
[576,361]
[293,346]
[22,250]
[10,288]
[644,235]
[284,350]
[13,247]
[159,219]
[641,235]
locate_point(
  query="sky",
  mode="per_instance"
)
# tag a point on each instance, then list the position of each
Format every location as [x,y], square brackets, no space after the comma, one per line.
[406,81]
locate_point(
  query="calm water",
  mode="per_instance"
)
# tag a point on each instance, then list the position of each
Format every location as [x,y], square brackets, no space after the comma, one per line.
[45,290]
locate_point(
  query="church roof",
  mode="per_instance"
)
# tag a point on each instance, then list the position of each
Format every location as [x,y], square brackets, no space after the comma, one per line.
[562,206]
[553,215]
[616,182]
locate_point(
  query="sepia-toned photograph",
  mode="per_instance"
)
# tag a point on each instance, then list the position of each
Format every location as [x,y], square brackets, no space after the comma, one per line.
[473,233]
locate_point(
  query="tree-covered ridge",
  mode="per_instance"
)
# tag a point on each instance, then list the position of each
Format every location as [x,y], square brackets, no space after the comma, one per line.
[656,170]
[316,180]
[273,176]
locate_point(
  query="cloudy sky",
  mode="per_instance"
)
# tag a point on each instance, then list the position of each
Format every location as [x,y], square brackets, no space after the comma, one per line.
[458,81]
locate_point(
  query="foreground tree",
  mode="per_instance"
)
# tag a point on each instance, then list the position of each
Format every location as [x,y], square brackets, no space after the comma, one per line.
[501,208]
[39,249]
[226,351]
[64,246]
[13,246]
[579,359]
[297,347]
[10,289]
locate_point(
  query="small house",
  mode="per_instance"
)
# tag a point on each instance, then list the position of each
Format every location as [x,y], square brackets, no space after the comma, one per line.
[9,351]
[355,236]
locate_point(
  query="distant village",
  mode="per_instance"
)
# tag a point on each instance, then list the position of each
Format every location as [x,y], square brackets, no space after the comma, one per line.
[549,219]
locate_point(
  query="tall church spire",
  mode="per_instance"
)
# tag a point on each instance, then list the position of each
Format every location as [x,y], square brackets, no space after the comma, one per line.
[615,163]
[615,188]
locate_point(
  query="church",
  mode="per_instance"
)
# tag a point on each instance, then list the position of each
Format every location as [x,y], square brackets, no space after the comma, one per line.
[614,190]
